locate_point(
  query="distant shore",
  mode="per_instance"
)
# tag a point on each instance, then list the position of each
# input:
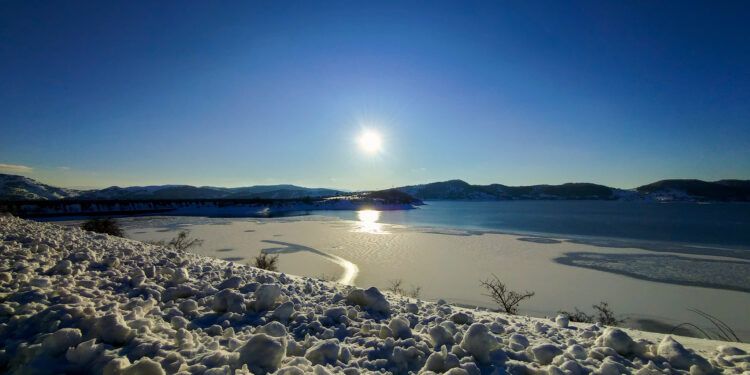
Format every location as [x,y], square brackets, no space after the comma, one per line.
[193,207]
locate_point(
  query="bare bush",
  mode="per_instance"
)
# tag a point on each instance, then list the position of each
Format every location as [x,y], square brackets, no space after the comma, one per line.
[105,225]
[396,287]
[603,315]
[507,299]
[184,242]
[326,277]
[181,242]
[577,316]
[722,331]
[267,262]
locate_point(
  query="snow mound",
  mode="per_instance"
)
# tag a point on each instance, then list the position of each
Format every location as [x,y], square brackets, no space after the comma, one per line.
[370,299]
[79,302]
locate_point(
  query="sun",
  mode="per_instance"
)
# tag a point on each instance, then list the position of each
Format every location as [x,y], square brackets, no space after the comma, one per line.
[370,142]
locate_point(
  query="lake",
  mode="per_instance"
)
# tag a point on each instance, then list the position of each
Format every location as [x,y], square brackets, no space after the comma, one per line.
[717,224]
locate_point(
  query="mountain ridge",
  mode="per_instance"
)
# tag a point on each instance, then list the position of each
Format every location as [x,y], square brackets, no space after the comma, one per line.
[14,187]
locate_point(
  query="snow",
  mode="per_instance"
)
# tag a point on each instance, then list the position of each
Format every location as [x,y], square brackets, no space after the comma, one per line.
[562,321]
[79,302]
[262,353]
[618,340]
[371,299]
[681,358]
[324,352]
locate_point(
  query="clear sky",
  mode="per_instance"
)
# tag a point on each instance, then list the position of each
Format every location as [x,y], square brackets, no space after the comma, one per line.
[238,93]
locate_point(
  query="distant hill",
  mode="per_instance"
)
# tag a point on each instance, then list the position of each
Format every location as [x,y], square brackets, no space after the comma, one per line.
[665,190]
[461,190]
[722,190]
[14,187]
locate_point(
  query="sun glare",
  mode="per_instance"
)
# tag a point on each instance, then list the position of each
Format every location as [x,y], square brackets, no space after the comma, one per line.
[370,142]
[368,222]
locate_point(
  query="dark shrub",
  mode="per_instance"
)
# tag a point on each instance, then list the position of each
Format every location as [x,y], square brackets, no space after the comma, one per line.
[182,242]
[507,299]
[105,225]
[267,262]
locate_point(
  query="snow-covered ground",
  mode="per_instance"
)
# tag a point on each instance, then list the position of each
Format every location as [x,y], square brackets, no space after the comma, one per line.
[79,302]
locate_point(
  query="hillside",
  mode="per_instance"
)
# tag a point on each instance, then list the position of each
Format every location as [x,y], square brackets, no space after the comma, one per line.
[14,187]
[79,302]
[461,190]
[723,190]
[22,188]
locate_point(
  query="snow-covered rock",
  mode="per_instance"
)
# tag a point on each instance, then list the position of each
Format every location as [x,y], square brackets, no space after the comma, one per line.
[681,358]
[62,339]
[370,298]
[112,329]
[616,339]
[262,353]
[478,341]
[545,353]
[266,296]
[324,352]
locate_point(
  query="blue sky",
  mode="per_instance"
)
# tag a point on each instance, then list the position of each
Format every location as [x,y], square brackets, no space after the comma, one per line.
[240,93]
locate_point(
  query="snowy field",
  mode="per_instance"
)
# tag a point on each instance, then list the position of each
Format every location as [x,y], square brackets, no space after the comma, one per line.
[654,290]
[79,302]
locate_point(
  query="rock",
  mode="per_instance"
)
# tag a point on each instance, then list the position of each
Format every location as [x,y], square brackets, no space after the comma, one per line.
[440,336]
[228,300]
[478,341]
[518,341]
[441,361]
[64,267]
[180,276]
[618,340]
[323,352]
[58,342]
[545,353]
[399,327]
[233,282]
[283,312]
[681,358]
[562,321]
[335,314]
[84,353]
[112,329]
[461,318]
[412,308]
[274,329]
[370,299]
[730,350]
[262,353]
[144,366]
[188,306]
[577,352]
[137,278]
[266,296]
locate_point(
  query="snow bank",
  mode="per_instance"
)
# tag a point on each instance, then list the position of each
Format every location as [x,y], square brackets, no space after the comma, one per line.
[79,302]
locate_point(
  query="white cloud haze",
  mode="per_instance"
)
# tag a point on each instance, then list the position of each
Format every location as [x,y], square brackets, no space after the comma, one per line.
[17,168]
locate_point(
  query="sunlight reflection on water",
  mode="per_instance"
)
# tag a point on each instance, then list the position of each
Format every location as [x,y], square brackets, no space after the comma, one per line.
[368,222]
